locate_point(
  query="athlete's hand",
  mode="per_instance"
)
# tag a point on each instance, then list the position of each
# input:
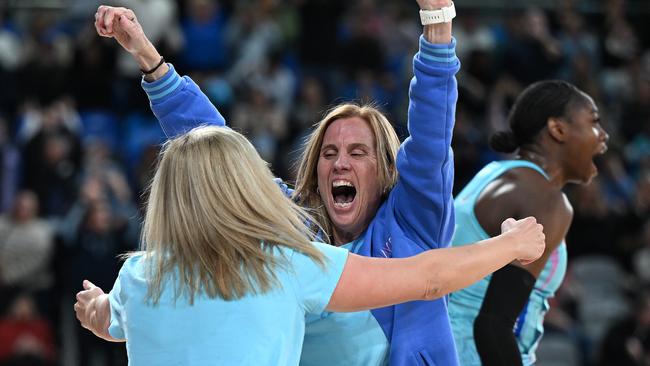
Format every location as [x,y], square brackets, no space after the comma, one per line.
[528,238]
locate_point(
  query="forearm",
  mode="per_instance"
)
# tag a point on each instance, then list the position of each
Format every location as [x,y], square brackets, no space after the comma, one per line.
[495,342]
[437,33]
[506,296]
[147,59]
[450,269]
[368,283]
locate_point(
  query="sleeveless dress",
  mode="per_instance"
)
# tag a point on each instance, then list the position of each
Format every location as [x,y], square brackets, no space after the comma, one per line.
[464,305]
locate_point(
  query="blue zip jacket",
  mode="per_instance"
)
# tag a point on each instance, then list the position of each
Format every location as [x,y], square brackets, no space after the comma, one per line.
[417,215]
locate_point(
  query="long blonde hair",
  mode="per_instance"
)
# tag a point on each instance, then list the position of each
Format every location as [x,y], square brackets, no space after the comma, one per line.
[214,215]
[386,141]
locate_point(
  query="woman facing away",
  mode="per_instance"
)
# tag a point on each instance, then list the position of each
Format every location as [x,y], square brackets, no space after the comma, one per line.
[228,272]
[555,130]
[372,195]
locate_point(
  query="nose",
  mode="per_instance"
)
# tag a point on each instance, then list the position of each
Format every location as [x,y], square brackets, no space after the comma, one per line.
[342,162]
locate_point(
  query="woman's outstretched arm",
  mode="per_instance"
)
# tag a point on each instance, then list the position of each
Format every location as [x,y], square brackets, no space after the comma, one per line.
[376,282]
[93,311]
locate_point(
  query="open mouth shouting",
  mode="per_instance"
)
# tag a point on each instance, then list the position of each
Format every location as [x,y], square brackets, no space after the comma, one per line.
[343,193]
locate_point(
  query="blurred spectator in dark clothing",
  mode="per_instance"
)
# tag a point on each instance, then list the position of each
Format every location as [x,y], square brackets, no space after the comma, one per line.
[253,35]
[310,107]
[25,337]
[319,22]
[620,42]
[468,141]
[635,119]
[9,168]
[276,81]
[533,53]
[52,155]
[48,53]
[627,343]
[94,70]
[204,35]
[618,186]
[99,166]
[576,39]
[361,50]
[262,120]
[592,211]
[93,237]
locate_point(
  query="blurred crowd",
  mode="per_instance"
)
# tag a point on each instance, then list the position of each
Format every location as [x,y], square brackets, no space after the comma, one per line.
[78,142]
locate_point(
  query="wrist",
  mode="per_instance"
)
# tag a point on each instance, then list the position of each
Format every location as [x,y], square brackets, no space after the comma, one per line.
[102,313]
[509,244]
[435,4]
[147,58]
[436,18]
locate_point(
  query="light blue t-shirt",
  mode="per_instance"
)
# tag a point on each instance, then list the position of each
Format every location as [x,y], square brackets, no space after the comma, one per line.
[263,329]
[344,338]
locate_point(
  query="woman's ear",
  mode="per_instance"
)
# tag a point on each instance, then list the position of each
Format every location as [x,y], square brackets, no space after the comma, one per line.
[557,129]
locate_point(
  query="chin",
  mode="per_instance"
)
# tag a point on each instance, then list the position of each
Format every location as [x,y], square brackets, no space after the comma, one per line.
[341,223]
[589,178]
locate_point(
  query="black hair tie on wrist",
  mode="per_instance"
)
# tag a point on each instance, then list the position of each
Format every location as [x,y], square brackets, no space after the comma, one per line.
[148,72]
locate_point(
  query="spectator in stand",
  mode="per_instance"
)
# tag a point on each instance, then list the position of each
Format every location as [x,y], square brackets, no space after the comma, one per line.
[26,338]
[26,247]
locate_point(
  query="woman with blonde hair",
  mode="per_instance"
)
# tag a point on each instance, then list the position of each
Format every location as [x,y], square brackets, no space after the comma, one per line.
[228,270]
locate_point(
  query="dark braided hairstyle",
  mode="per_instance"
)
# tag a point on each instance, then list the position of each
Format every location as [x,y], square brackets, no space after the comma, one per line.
[532,109]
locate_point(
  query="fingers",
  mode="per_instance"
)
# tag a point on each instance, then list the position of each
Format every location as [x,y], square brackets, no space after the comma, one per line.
[107,17]
[508,224]
[80,313]
[89,292]
[99,16]
[88,285]
[124,24]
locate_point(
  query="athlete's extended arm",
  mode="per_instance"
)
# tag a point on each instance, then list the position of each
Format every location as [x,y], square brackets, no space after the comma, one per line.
[375,282]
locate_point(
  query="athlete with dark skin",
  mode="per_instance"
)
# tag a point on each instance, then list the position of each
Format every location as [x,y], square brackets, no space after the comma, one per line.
[565,151]
[556,127]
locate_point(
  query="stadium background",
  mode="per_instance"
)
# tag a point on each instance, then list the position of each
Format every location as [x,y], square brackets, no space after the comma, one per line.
[77,140]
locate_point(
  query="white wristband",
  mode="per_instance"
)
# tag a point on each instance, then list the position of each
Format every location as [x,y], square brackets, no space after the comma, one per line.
[442,15]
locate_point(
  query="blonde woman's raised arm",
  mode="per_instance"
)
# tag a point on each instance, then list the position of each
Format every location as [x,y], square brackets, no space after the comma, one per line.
[368,283]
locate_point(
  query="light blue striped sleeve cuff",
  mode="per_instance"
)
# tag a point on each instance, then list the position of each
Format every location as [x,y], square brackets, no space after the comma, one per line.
[164,86]
[444,54]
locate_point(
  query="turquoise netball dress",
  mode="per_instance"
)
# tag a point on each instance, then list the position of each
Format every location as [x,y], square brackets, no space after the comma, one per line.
[465,304]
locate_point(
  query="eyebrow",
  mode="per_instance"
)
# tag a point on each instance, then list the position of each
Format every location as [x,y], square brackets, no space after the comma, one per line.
[328,146]
[350,147]
[358,145]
